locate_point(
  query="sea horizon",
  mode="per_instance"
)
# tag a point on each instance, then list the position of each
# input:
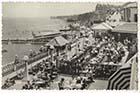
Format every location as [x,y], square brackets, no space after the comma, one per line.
[22,27]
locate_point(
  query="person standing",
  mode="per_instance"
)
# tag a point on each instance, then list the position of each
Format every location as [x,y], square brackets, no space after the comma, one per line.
[16,61]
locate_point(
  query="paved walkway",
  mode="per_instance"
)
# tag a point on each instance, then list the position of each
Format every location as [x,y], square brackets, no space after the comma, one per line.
[98,84]
[18,85]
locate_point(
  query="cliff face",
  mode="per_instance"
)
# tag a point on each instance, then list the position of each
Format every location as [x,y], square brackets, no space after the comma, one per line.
[100,13]
[97,16]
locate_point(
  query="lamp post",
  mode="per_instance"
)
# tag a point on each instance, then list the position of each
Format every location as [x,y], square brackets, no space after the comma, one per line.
[15,63]
[25,58]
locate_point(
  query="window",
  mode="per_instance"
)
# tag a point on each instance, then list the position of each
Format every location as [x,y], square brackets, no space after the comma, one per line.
[135,18]
[128,15]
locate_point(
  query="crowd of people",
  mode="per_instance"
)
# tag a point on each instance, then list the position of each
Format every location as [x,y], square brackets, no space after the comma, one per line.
[108,50]
[104,50]
[41,75]
[75,83]
[100,59]
[8,83]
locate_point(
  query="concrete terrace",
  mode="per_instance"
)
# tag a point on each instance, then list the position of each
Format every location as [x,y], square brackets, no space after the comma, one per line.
[98,84]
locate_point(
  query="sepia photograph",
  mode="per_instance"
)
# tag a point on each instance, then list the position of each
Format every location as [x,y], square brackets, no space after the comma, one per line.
[69,46]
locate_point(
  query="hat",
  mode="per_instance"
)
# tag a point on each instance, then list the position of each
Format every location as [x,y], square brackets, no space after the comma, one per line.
[105,37]
[78,78]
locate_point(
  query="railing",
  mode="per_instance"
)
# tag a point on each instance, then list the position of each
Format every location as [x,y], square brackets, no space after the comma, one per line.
[9,68]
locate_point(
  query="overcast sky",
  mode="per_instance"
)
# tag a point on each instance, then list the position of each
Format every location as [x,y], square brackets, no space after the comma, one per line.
[45,9]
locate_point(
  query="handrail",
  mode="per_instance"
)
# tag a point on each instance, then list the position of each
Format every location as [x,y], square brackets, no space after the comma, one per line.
[10,67]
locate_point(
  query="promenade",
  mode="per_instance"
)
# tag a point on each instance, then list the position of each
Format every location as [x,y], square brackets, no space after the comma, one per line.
[98,84]
[14,73]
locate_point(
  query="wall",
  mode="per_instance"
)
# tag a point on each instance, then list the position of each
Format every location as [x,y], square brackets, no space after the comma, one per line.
[129,13]
[132,14]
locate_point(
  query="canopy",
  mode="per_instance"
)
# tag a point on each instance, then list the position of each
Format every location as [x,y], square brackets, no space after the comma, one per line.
[128,27]
[114,24]
[58,41]
[103,26]
[130,5]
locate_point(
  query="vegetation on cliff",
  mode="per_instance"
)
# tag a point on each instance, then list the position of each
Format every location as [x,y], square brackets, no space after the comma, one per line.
[99,15]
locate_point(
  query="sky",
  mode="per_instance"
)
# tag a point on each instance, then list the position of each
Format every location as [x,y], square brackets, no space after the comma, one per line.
[10,9]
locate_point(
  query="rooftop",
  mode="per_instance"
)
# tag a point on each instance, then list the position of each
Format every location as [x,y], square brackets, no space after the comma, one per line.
[44,33]
[127,27]
[58,41]
[102,26]
[130,4]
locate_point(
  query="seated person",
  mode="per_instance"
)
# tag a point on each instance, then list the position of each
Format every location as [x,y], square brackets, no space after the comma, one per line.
[9,82]
[84,84]
[25,86]
[78,80]
[34,78]
[90,79]
[20,75]
[61,84]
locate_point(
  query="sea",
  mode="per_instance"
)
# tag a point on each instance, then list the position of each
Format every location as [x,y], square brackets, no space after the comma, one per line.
[22,28]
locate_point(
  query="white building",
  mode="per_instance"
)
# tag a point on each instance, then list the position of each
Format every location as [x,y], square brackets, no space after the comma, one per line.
[130,12]
[115,17]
